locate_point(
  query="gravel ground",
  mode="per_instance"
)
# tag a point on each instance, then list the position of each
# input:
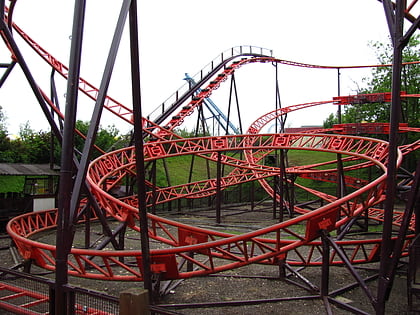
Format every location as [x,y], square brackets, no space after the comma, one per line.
[237,291]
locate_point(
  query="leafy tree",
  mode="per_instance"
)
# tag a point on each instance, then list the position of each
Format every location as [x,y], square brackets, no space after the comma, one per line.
[381,82]
[6,153]
[3,128]
[34,146]
[107,139]
[185,133]
[330,121]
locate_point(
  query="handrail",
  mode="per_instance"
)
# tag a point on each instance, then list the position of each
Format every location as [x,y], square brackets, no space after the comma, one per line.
[163,110]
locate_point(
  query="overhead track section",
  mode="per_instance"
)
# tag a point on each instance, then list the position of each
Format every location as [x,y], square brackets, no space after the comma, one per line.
[164,110]
[181,96]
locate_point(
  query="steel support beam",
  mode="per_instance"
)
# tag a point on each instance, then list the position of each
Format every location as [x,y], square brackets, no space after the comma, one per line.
[35,89]
[64,232]
[138,143]
[326,239]
[9,67]
[97,112]
[219,188]
[395,20]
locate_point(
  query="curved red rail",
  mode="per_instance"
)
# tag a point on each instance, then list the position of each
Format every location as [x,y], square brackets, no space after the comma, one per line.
[211,251]
[215,251]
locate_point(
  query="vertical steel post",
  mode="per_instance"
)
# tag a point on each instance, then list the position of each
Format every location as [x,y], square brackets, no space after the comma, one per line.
[340,183]
[97,111]
[7,72]
[21,61]
[138,142]
[275,184]
[219,187]
[2,9]
[396,28]
[64,233]
[325,265]
[252,195]
[282,182]
[339,93]
[154,192]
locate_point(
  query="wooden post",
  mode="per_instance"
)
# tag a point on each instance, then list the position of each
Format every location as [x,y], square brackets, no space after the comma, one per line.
[134,301]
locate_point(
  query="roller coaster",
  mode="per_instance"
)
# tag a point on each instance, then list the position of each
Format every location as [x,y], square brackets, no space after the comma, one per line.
[185,251]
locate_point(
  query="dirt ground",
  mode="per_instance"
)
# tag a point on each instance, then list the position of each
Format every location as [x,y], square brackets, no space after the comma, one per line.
[240,291]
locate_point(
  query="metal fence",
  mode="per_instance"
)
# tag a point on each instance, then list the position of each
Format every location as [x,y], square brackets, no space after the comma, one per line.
[22,293]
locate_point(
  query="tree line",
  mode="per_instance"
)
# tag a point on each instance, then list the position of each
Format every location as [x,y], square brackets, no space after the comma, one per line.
[41,147]
[380,81]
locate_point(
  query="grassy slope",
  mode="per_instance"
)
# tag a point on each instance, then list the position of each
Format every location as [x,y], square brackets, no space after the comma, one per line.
[179,169]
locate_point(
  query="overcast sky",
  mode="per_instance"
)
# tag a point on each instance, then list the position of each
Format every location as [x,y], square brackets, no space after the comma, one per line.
[178,37]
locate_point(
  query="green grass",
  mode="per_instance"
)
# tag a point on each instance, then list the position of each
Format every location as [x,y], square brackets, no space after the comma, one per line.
[179,169]
[11,183]
[304,157]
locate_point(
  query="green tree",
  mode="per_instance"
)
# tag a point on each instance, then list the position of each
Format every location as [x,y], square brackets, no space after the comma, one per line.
[32,146]
[380,81]
[6,154]
[185,133]
[330,121]
[107,139]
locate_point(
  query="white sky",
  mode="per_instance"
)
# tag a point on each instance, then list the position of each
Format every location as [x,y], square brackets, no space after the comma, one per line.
[178,37]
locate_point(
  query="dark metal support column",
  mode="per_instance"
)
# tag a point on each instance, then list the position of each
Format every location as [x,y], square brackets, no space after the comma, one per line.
[9,67]
[67,171]
[165,167]
[348,264]
[154,192]
[278,104]
[283,183]
[412,205]
[200,118]
[2,9]
[275,185]
[238,109]
[138,141]
[338,94]
[35,89]
[98,109]
[102,219]
[219,187]
[232,80]
[252,195]
[87,226]
[340,183]
[325,266]
[54,100]
[292,194]
[395,23]
[233,90]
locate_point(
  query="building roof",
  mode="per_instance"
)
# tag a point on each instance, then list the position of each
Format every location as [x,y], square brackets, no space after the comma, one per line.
[26,169]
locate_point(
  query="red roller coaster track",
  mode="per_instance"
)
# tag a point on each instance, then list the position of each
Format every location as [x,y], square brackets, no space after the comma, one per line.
[120,164]
[294,240]
[214,251]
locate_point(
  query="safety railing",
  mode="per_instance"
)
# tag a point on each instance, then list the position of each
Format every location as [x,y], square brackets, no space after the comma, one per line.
[207,69]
